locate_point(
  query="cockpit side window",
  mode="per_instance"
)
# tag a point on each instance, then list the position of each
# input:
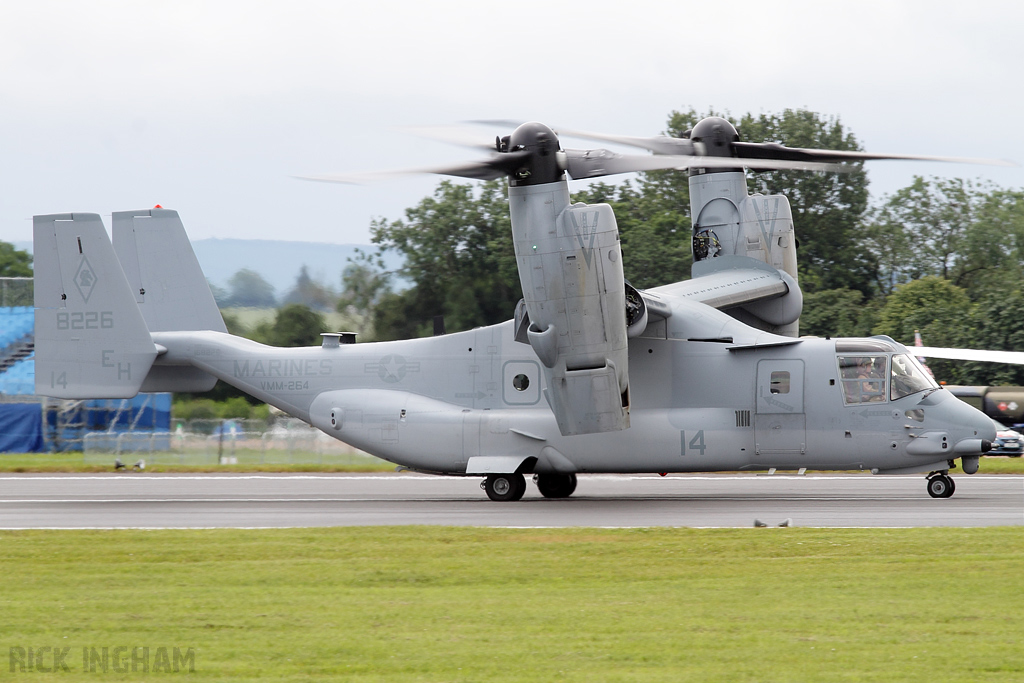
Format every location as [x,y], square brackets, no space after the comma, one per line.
[863,378]
[908,377]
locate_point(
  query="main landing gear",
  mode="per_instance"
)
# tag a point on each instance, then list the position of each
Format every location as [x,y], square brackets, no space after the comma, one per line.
[940,485]
[511,487]
[555,485]
[504,487]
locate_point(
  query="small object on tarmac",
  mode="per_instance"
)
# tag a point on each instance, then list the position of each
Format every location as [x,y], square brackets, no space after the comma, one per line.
[759,523]
[786,522]
[139,466]
[118,465]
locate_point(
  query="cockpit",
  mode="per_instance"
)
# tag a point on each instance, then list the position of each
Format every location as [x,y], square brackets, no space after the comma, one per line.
[874,371]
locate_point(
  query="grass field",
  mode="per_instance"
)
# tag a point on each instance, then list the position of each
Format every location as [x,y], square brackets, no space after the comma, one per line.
[75,462]
[443,604]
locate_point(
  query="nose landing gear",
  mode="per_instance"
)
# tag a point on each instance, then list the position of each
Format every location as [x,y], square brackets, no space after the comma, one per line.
[940,485]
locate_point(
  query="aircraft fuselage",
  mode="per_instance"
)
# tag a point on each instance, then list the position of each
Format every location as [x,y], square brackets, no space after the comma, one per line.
[473,402]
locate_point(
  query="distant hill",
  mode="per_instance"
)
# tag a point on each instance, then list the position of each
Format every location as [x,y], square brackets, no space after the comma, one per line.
[278,261]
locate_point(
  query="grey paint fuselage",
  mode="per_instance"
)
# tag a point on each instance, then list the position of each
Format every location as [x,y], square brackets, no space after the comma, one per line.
[432,404]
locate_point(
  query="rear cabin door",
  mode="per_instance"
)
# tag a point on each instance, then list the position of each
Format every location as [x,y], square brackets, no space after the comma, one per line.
[780,424]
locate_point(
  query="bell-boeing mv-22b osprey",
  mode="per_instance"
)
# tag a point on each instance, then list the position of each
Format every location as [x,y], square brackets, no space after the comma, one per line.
[591,375]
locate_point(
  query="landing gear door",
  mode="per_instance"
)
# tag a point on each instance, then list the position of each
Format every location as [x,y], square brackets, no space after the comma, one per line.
[779,421]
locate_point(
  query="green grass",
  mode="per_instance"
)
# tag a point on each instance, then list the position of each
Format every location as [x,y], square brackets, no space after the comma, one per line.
[1000,464]
[76,462]
[441,604]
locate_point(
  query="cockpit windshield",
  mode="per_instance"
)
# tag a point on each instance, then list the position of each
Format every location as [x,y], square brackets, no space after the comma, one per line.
[908,377]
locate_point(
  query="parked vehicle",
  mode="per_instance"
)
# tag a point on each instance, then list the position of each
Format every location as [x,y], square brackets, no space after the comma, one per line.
[1007,441]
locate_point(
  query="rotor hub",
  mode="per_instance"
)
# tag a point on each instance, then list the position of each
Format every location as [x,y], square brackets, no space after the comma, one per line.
[543,165]
[717,134]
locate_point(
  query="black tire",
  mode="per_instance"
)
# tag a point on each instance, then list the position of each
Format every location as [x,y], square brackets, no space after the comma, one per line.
[556,485]
[940,486]
[952,486]
[505,487]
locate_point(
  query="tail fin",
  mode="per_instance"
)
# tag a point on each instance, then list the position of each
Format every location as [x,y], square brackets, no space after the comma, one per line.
[91,339]
[169,288]
[163,271]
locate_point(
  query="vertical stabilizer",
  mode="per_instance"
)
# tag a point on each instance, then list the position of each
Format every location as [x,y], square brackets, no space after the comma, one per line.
[91,340]
[164,274]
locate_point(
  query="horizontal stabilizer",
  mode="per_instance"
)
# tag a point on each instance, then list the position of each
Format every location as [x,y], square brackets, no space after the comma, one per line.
[91,340]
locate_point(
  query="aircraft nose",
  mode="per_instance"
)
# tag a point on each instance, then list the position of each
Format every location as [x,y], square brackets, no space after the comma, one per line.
[986,429]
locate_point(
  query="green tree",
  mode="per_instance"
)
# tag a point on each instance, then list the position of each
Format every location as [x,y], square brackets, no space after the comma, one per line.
[998,325]
[309,292]
[837,313]
[14,262]
[996,244]
[294,325]
[457,248]
[364,283]
[947,227]
[248,288]
[940,310]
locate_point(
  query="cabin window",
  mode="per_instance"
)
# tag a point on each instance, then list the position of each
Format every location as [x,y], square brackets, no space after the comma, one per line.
[779,382]
[863,378]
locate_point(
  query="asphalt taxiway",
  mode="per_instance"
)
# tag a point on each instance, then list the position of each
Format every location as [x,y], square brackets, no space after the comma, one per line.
[142,500]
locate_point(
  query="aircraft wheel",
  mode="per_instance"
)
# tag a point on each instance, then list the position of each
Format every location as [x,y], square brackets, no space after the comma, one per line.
[556,485]
[940,486]
[505,487]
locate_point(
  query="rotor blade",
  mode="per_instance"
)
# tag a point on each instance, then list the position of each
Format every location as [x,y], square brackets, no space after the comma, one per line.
[511,124]
[453,135]
[659,144]
[497,166]
[1012,357]
[773,150]
[594,163]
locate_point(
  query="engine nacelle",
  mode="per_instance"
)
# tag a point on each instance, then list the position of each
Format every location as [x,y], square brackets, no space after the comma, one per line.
[570,268]
[728,221]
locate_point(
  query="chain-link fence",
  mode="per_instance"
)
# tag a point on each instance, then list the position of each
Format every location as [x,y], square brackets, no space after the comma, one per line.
[226,442]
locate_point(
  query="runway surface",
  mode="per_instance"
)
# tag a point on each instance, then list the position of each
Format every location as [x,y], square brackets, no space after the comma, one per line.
[137,500]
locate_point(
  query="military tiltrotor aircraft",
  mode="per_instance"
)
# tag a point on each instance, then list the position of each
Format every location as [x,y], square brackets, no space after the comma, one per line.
[591,375]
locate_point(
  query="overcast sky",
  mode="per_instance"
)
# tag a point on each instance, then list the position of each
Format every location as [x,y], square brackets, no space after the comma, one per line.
[211,107]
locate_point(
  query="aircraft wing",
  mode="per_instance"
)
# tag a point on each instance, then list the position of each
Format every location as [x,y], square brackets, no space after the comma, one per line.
[741,282]
[1011,357]
[727,289]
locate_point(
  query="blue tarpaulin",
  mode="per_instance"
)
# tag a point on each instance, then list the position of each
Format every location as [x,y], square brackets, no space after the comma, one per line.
[21,428]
